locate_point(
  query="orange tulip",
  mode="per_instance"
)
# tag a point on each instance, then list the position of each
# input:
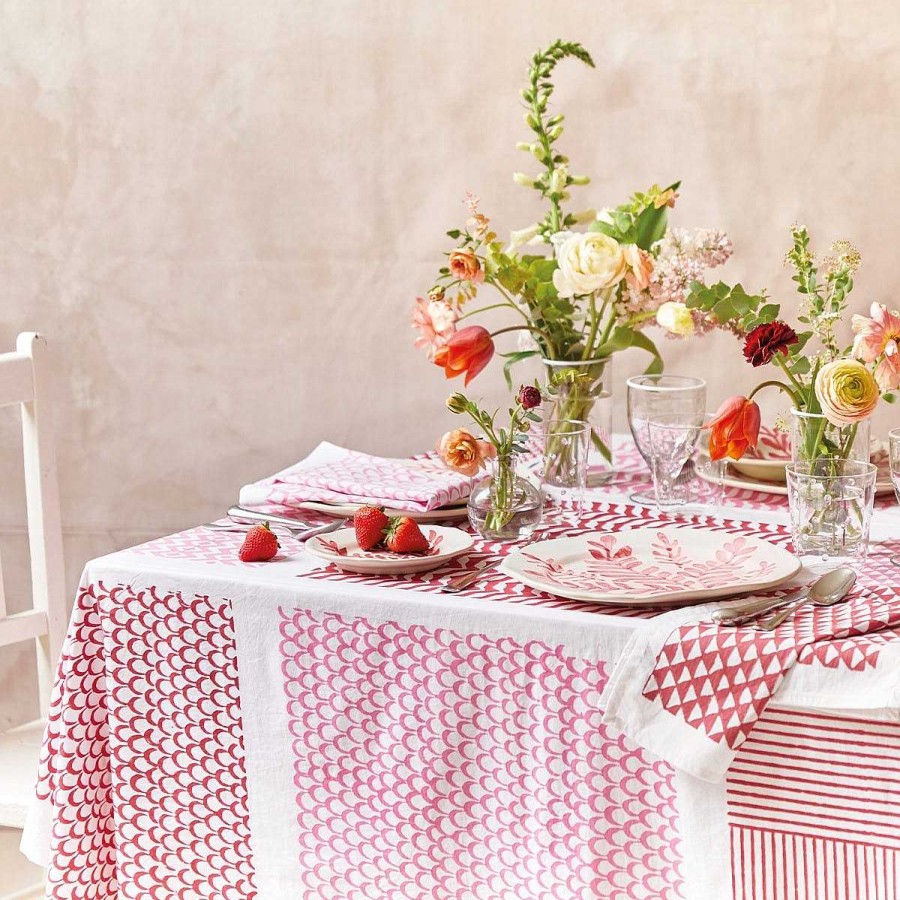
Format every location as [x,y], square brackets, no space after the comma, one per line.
[469,351]
[734,429]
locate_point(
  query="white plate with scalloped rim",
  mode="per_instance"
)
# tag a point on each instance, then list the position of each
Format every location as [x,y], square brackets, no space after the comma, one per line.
[651,566]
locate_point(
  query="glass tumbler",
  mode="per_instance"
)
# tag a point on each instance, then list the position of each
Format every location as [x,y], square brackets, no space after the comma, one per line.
[831,501]
[672,444]
[894,461]
[565,468]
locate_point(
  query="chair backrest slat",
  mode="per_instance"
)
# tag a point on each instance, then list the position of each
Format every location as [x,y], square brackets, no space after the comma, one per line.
[24,379]
[23,626]
[16,379]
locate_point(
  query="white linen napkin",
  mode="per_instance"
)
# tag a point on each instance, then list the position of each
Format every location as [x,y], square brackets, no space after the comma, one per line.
[332,474]
[691,691]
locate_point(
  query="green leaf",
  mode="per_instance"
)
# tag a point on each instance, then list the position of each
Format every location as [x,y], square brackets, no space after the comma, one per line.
[454,233]
[624,337]
[650,226]
[511,360]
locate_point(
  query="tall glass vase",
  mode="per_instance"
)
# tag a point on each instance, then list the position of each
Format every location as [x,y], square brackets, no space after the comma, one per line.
[814,437]
[585,395]
[504,506]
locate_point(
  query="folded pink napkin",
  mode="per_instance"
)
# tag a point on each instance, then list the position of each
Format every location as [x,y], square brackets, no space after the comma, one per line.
[332,474]
[691,691]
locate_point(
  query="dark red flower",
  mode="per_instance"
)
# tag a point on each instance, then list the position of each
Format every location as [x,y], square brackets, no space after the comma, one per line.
[761,345]
[529,396]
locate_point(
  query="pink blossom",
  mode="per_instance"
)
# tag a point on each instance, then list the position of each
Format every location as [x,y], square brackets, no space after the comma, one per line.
[879,337]
[436,323]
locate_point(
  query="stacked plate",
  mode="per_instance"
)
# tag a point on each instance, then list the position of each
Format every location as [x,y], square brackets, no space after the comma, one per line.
[346,511]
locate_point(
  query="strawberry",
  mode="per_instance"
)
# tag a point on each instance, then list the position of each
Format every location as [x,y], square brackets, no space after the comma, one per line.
[370,523]
[405,536]
[259,545]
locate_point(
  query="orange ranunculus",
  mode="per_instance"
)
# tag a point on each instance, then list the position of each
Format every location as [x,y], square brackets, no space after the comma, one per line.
[463,452]
[465,266]
[734,429]
[469,351]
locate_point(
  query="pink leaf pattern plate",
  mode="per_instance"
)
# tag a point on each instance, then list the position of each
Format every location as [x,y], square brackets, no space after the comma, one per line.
[651,566]
[341,549]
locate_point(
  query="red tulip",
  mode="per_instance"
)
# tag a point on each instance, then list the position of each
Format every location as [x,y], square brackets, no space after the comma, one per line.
[734,429]
[469,351]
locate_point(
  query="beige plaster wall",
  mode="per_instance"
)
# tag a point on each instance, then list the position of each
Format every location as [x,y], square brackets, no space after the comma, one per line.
[220,212]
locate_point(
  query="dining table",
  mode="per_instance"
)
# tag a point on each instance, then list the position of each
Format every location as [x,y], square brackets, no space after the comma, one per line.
[288,729]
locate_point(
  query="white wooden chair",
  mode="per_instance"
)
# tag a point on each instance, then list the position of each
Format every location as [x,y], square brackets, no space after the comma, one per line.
[24,381]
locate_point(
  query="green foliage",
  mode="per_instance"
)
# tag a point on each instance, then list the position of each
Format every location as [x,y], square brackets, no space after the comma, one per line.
[554,181]
[623,337]
[732,306]
[640,221]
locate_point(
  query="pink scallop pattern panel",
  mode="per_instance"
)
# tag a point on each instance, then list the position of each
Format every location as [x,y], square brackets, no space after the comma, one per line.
[145,743]
[430,764]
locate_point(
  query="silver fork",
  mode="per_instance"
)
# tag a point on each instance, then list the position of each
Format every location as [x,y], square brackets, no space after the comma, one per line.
[461,582]
[302,534]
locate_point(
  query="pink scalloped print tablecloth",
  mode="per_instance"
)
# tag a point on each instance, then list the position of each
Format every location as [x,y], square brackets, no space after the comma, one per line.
[228,730]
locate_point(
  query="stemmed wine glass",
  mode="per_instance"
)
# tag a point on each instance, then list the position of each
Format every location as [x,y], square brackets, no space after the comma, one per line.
[671,399]
[894,457]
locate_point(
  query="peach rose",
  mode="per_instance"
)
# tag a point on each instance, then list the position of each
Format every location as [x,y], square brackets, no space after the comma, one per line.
[639,267]
[465,266]
[463,452]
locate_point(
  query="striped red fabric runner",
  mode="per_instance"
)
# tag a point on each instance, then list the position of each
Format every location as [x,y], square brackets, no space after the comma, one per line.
[814,807]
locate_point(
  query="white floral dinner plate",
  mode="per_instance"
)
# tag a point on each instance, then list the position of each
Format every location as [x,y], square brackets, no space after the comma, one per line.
[341,549]
[651,566]
[346,511]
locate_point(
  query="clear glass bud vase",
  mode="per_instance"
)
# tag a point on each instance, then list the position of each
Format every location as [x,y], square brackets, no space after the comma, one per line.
[504,506]
[814,437]
[586,395]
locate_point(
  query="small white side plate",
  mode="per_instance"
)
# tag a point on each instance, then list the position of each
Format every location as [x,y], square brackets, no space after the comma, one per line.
[341,549]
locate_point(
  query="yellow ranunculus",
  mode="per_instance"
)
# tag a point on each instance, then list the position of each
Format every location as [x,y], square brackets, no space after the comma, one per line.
[675,318]
[847,391]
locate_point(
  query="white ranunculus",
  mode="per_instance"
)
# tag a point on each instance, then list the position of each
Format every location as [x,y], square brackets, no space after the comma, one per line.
[675,318]
[587,263]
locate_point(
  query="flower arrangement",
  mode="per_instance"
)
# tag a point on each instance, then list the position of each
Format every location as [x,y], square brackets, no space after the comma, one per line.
[461,451]
[592,294]
[832,385]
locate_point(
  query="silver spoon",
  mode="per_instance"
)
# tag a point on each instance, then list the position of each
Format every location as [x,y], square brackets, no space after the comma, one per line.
[828,590]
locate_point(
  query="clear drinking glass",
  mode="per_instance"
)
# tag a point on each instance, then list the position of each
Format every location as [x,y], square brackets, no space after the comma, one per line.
[564,483]
[894,459]
[813,436]
[831,502]
[586,395]
[672,444]
[710,483]
[662,398]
